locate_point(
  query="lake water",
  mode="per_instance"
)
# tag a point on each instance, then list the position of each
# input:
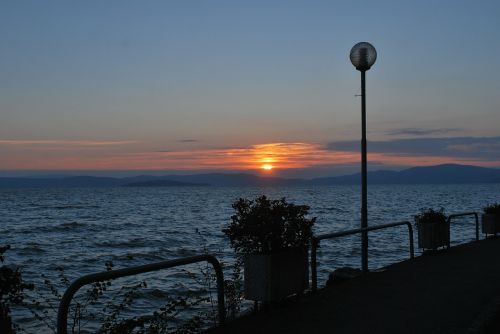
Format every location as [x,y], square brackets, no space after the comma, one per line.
[80,229]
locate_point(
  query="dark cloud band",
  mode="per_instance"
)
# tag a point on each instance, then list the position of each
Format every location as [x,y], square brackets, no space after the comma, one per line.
[485,148]
[420,132]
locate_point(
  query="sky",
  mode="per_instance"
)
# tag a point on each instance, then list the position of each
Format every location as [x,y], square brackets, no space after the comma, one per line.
[262,86]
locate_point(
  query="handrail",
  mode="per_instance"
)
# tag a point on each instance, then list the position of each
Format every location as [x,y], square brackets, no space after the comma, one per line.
[62,314]
[462,215]
[316,240]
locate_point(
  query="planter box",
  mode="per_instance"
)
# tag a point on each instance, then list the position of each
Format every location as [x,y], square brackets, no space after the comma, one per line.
[275,276]
[490,223]
[433,235]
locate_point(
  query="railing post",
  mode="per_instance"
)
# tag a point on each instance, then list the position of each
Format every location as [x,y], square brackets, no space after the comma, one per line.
[314,268]
[62,314]
[477,226]
[220,289]
[449,228]
[410,236]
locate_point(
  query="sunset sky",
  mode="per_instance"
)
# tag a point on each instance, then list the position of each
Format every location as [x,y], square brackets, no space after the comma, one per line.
[190,86]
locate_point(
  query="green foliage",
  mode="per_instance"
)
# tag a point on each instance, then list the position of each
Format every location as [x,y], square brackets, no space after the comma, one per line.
[102,303]
[11,292]
[162,320]
[492,209]
[233,290]
[107,305]
[430,216]
[264,226]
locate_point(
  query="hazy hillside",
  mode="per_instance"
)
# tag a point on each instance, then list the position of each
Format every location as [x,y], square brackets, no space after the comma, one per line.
[448,173]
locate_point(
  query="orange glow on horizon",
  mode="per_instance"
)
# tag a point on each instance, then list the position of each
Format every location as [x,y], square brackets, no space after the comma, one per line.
[129,155]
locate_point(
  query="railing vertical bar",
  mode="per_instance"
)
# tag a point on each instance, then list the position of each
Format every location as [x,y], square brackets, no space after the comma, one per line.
[477,226]
[314,274]
[220,288]
[410,236]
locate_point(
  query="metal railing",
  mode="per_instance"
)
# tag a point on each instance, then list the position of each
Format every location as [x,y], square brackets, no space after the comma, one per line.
[316,240]
[456,215]
[62,315]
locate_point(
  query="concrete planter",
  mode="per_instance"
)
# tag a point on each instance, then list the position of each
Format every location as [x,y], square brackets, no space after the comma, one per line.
[490,223]
[275,276]
[433,235]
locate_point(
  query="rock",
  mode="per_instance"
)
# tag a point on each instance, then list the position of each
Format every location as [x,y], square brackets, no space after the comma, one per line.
[343,274]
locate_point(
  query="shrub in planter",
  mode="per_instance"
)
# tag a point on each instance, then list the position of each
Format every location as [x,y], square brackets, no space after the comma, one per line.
[433,229]
[273,236]
[490,219]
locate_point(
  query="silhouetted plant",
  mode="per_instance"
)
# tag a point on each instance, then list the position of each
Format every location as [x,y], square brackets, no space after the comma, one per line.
[11,292]
[105,305]
[492,209]
[264,226]
[107,309]
[233,289]
[161,321]
[430,216]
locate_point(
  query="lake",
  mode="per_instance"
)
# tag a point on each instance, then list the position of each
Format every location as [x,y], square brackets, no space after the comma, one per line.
[78,230]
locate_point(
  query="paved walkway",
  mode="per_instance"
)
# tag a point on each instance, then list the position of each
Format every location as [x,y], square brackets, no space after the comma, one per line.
[454,291]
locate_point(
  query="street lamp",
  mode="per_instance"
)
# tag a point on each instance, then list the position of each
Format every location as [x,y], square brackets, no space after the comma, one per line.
[363,56]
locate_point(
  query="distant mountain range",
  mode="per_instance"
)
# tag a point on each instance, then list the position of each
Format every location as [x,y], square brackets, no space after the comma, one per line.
[448,173]
[440,174]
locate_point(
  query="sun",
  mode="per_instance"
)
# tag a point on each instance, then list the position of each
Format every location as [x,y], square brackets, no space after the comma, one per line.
[267,167]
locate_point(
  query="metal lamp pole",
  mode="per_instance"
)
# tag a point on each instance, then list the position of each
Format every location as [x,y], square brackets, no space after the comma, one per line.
[364,190]
[363,56]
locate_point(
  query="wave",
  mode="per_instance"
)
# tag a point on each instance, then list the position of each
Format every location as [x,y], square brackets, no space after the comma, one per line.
[69,226]
[63,207]
[75,206]
[30,249]
[135,242]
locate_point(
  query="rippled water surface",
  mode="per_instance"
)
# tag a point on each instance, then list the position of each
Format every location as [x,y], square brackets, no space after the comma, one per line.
[81,229]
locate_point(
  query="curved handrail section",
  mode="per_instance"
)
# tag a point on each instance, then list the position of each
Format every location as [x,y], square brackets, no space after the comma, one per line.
[317,239]
[62,315]
[464,214]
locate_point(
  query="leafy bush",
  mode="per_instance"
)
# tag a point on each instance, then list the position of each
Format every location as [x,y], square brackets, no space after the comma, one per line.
[108,307]
[105,307]
[11,292]
[492,209]
[264,226]
[430,216]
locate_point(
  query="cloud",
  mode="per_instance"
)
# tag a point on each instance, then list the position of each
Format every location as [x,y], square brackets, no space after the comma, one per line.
[283,156]
[81,143]
[481,148]
[420,131]
[280,155]
[187,141]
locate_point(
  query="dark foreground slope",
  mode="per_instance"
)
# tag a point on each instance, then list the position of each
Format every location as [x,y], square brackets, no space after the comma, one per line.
[455,291]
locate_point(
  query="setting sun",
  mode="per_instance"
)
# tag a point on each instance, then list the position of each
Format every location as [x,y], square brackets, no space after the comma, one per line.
[267,167]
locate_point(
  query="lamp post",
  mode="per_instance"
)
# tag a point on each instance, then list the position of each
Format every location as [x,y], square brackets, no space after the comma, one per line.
[363,56]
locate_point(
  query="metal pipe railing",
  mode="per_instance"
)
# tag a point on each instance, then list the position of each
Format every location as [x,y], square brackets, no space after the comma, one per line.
[456,215]
[62,314]
[316,240]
